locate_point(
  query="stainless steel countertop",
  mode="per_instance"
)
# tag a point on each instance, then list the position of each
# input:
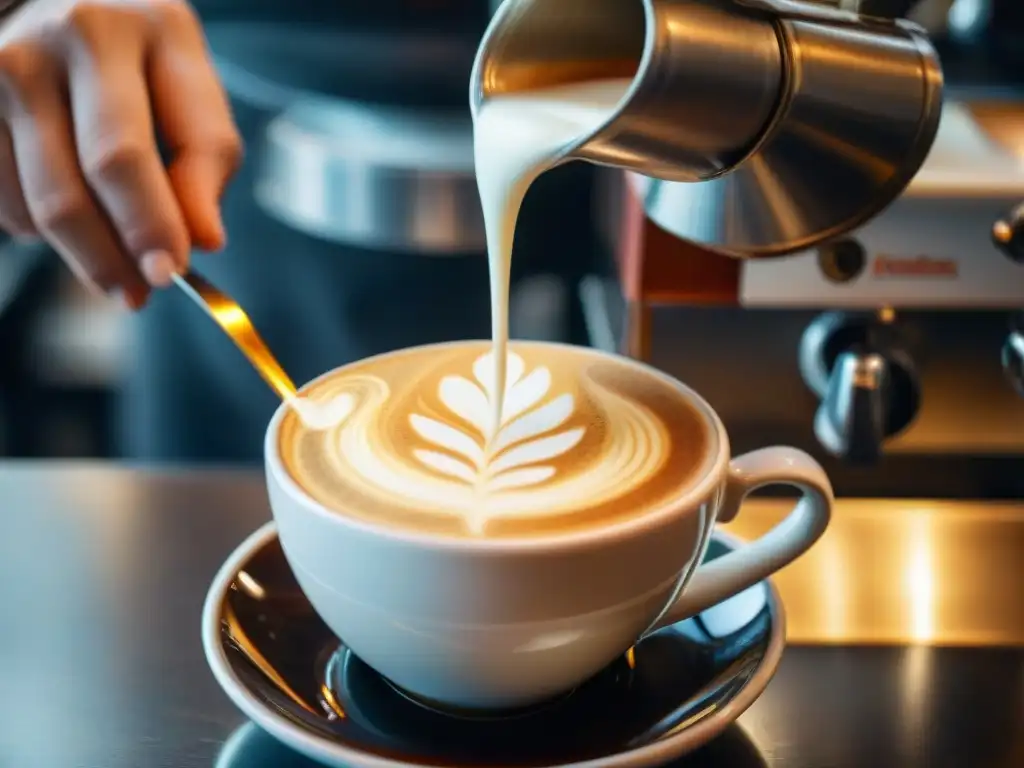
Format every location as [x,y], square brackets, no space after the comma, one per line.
[913,572]
[103,570]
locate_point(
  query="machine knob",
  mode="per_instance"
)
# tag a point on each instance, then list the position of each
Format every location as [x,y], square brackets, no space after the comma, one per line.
[851,421]
[1013,356]
[1008,234]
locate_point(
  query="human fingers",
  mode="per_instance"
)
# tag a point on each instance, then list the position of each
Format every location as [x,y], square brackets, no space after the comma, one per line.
[14,216]
[58,199]
[194,119]
[116,147]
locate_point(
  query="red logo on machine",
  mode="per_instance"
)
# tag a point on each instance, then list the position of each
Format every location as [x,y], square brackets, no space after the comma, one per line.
[914,266]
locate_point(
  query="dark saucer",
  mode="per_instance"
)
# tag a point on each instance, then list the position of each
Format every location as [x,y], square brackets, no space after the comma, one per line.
[250,747]
[673,692]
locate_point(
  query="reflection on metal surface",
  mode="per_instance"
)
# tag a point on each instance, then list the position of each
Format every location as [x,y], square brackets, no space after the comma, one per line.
[816,121]
[1008,234]
[240,640]
[377,177]
[918,581]
[251,586]
[330,702]
[927,573]
[1002,121]
[914,692]
[233,320]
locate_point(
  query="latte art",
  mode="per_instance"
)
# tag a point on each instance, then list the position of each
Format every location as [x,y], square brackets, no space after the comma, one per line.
[494,463]
[581,438]
[323,414]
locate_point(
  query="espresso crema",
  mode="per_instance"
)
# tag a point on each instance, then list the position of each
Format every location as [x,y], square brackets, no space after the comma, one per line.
[584,440]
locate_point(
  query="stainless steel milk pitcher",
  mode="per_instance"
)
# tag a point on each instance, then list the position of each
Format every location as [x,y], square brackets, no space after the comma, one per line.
[763,126]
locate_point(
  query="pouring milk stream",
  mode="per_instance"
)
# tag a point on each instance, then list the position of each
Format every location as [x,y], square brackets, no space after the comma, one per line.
[517,137]
[713,91]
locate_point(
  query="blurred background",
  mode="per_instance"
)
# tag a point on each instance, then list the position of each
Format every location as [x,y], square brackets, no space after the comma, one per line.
[354,229]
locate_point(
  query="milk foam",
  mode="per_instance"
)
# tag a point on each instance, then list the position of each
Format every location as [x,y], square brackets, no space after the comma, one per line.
[581,438]
[322,414]
[518,136]
[481,463]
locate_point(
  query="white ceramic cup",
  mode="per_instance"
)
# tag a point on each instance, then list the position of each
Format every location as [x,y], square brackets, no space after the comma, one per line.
[498,623]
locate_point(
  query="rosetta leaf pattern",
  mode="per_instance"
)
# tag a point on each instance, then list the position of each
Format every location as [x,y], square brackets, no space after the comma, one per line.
[446,465]
[531,432]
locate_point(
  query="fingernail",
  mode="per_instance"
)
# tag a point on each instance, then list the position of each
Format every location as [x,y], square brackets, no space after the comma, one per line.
[120,296]
[158,268]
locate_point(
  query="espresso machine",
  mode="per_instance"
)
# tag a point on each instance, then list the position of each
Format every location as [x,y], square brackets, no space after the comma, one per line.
[827,246]
[893,350]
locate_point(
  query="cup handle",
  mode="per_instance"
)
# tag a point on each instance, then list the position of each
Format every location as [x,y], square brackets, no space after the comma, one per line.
[732,573]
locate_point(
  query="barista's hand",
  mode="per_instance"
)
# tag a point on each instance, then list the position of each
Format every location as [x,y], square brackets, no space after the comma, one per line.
[85,88]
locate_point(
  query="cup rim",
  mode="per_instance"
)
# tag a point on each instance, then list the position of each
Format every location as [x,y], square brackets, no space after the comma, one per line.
[713,467]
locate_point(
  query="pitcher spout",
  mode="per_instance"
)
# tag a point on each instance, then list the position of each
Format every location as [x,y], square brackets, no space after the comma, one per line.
[761,127]
[706,76]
